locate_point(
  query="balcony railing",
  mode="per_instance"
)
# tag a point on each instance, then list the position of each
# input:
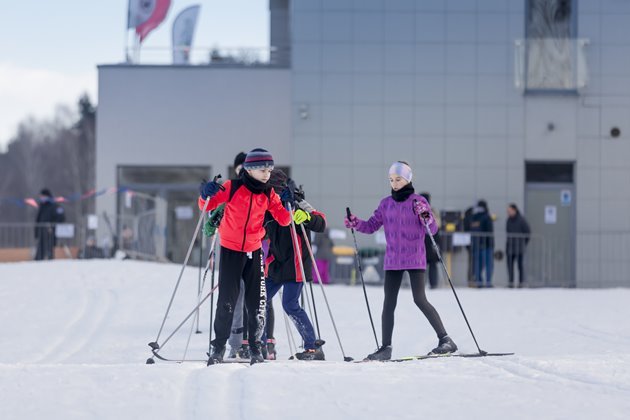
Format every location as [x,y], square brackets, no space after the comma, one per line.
[215,56]
[550,65]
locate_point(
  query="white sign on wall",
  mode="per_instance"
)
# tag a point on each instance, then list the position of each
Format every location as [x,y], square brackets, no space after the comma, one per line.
[565,197]
[184,212]
[551,215]
[64,230]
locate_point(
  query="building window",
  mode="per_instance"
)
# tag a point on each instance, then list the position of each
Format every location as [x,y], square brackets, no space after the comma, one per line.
[552,54]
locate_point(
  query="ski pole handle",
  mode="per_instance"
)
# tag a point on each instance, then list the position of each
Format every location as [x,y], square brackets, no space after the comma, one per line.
[349,216]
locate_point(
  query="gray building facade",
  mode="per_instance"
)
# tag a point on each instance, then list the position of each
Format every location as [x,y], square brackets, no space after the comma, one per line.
[524,101]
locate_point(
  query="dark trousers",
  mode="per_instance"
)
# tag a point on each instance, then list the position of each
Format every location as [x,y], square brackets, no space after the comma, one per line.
[45,244]
[432,271]
[291,292]
[393,279]
[233,266]
[483,261]
[510,265]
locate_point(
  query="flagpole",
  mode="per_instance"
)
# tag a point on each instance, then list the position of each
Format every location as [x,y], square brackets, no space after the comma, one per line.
[126,42]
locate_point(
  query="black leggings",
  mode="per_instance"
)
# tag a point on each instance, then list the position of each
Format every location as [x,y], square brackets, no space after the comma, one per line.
[393,279]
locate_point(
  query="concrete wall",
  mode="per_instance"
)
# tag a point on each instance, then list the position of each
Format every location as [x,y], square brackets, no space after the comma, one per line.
[197,115]
[432,82]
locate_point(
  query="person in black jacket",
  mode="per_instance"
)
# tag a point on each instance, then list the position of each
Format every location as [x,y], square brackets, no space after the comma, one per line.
[482,243]
[432,256]
[282,269]
[518,231]
[48,214]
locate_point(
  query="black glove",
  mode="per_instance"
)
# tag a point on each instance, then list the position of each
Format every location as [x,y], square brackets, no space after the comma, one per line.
[208,189]
[299,194]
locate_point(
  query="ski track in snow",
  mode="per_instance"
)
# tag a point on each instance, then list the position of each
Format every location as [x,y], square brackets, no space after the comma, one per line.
[96,318]
[530,370]
[85,328]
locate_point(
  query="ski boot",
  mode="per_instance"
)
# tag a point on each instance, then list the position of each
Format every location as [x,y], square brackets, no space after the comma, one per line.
[217,355]
[271,349]
[384,353]
[445,346]
[243,352]
[313,354]
[255,354]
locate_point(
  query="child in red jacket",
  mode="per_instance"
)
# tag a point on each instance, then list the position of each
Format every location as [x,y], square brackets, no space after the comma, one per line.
[241,232]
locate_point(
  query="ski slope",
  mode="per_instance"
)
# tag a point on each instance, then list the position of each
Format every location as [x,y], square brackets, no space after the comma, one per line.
[75,333]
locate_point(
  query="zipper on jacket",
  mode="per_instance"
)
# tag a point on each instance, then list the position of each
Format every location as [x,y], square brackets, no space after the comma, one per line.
[249,211]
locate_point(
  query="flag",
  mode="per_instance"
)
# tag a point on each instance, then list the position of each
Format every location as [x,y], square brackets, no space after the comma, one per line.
[139,11]
[146,15]
[183,31]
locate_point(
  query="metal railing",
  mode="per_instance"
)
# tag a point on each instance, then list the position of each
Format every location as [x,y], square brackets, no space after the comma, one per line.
[592,259]
[213,56]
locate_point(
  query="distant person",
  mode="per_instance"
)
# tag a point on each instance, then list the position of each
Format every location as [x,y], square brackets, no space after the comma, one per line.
[90,250]
[518,231]
[323,249]
[48,215]
[432,256]
[482,243]
[470,273]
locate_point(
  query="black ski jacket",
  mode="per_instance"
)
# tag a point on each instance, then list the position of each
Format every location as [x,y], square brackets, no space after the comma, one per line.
[518,231]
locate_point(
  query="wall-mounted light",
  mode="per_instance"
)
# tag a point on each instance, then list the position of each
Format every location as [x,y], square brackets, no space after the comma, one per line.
[615,132]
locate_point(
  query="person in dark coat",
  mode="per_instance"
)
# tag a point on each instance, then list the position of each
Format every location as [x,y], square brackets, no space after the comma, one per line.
[48,215]
[482,243]
[518,231]
[432,256]
[282,268]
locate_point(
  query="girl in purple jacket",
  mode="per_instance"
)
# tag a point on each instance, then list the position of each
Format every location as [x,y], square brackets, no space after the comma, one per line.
[405,252]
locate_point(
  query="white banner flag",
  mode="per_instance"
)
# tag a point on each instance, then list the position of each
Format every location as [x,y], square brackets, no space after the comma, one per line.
[139,12]
[183,31]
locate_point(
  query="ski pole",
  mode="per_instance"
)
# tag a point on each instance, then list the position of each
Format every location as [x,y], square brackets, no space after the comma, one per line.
[298,254]
[425,223]
[156,347]
[319,280]
[199,286]
[356,253]
[211,301]
[202,285]
[190,247]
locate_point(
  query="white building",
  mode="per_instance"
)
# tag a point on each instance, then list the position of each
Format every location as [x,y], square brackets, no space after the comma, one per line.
[506,100]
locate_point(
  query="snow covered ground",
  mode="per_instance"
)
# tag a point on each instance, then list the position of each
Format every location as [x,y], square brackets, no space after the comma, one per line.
[75,333]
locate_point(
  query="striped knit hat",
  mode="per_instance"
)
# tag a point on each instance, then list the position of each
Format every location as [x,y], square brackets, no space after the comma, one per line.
[258,159]
[401,169]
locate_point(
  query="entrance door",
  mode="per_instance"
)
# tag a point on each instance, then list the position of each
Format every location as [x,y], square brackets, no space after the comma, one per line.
[550,210]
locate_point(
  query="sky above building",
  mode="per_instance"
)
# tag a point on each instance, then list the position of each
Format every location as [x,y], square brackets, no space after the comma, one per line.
[49,50]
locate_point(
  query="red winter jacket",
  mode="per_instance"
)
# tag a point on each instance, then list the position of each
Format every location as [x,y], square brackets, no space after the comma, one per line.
[242,226]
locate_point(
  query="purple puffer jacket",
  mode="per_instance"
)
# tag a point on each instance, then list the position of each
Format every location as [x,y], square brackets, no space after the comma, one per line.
[403,231]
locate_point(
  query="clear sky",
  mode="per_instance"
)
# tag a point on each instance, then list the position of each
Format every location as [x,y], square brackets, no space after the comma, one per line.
[49,50]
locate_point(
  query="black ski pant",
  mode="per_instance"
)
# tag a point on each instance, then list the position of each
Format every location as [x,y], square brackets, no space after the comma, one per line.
[233,266]
[393,279]
[432,269]
[510,258]
[45,244]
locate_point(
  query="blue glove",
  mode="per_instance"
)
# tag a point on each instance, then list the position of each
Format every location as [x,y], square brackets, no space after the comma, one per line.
[287,196]
[208,189]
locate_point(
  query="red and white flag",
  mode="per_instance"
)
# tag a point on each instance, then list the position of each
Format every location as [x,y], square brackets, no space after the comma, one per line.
[146,15]
[183,31]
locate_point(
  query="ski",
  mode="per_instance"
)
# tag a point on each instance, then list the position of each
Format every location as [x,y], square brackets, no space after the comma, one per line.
[437,356]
